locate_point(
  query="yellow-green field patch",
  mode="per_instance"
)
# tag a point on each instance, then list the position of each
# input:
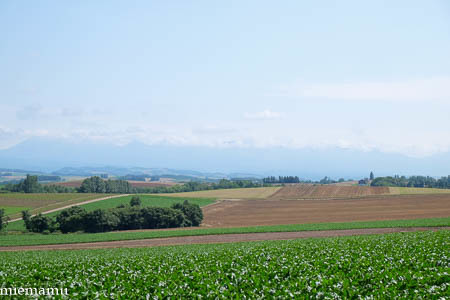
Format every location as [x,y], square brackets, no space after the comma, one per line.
[412,190]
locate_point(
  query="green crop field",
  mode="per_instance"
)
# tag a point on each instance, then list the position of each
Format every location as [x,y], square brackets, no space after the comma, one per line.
[30,239]
[391,266]
[11,210]
[147,200]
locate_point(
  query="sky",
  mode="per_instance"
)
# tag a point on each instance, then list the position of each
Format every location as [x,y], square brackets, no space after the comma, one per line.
[364,75]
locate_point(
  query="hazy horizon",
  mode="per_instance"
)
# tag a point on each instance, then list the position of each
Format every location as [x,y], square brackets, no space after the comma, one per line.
[373,78]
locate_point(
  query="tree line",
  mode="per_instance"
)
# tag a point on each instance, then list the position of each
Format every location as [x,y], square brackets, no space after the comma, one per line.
[95,184]
[193,186]
[31,185]
[3,219]
[122,217]
[412,181]
[281,179]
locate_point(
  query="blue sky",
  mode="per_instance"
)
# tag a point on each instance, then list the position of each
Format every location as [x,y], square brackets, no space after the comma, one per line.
[366,75]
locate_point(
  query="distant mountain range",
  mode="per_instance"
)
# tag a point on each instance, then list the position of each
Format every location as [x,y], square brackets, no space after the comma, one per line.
[67,158]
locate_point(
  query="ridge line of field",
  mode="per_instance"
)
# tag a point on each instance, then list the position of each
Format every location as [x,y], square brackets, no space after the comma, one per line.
[8,240]
[222,238]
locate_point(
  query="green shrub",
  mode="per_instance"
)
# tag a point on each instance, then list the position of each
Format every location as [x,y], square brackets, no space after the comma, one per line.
[193,213]
[71,219]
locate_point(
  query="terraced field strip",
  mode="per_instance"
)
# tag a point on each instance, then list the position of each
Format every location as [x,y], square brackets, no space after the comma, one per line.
[243,193]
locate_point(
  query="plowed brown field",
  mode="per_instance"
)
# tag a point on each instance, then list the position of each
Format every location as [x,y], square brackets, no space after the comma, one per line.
[277,212]
[305,191]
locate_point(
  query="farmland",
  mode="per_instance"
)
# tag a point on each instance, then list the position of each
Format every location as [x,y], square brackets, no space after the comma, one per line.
[147,200]
[31,239]
[275,212]
[310,191]
[243,193]
[327,191]
[411,190]
[404,265]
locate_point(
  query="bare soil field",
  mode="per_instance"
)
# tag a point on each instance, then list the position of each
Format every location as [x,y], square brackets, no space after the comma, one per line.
[278,212]
[220,238]
[244,193]
[308,191]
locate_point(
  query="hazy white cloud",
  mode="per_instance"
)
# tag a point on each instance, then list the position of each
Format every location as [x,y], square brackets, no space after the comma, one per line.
[266,114]
[429,89]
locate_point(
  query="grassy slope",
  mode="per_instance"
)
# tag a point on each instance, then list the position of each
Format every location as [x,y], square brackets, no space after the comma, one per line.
[243,193]
[147,200]
[39,239]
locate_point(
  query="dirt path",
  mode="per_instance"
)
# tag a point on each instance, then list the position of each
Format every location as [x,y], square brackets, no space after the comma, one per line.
[220,238]
[76,204]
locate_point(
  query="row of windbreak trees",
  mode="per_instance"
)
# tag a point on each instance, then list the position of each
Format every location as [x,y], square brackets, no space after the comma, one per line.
[96,184]
[123,217]
[194,186]
[31,185]
[281,179]
[412,181]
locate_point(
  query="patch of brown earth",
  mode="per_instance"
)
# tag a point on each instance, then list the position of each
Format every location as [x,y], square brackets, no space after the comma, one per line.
[277,212]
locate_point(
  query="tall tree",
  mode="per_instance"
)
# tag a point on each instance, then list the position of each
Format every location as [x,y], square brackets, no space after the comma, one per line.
[2,219]
[371,176]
